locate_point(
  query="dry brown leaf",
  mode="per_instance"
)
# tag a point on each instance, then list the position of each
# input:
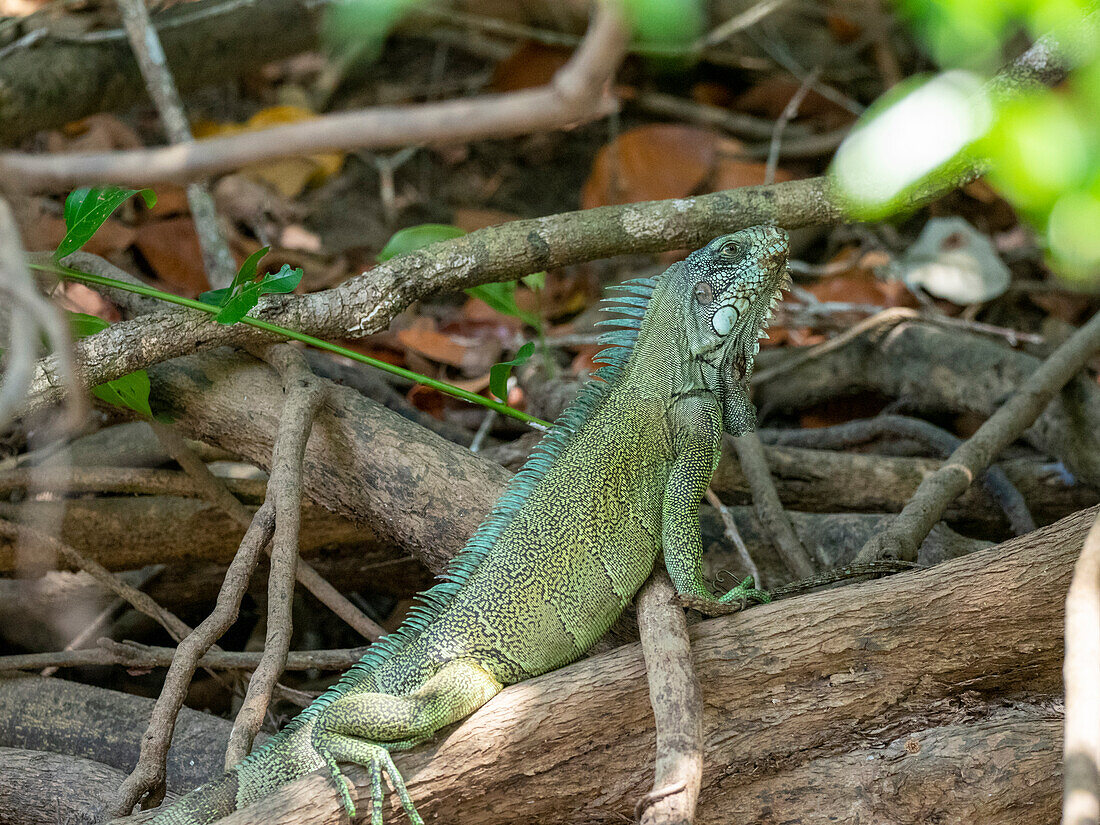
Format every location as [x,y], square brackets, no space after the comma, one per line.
[471,219]
[171,248]
[770,97]
[652,162]
[860,286]
[733,172]
[289,176]
[530,65]
[423,338]
[95,133]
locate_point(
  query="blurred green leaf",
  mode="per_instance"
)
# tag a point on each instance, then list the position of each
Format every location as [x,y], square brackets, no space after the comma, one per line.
[499,373]
[130,391]
[666,27]
[1037,149]
[909,136]
[1073,233]
[412,238]
[87,209]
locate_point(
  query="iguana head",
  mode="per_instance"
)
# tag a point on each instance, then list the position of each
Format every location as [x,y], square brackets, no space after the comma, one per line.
[730,287]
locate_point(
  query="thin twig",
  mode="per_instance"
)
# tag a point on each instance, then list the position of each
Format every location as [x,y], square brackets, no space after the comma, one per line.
[769,509]
[220,492]
[304,394]
[905,532]
[677,702]
[785,117]
[1081,671]
[147,779]
[739,22]
[734,535]
[736,123]
[145,43]
[577,93]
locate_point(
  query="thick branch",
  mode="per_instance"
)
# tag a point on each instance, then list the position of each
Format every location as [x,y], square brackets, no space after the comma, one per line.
[368,303]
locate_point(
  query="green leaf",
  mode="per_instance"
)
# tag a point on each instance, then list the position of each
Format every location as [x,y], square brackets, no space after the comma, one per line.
[131,390]
[87,209]
[285,280]
[239,305]
[536,280]
[247,272]
[244,293]
[502,297]
[498,373]
[215,297]
[82,325]
[412,238]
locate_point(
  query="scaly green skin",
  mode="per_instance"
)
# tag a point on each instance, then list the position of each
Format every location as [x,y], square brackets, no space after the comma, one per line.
[616,482]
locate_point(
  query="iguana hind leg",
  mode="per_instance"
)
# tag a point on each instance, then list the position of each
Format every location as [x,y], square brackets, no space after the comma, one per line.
[364,727]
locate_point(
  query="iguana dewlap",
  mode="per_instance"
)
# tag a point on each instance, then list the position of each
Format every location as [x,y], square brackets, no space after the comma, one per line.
[615,483]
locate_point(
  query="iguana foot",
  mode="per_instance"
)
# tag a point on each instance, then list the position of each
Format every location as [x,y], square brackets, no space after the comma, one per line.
[377,760]
[745,593]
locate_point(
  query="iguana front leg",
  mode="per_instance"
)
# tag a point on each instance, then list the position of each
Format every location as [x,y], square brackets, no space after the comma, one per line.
[697,439]
[364,727]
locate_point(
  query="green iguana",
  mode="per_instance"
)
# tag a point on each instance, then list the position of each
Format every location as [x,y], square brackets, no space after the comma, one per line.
[615,483]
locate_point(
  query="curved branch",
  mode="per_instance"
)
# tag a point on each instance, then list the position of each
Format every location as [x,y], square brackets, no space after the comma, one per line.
[577,93]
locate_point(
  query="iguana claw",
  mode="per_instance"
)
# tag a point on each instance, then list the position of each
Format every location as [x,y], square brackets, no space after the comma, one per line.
[745,593]
[379,762]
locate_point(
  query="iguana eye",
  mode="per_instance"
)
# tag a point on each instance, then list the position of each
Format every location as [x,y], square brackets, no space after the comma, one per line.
[731,250]
[704,293]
